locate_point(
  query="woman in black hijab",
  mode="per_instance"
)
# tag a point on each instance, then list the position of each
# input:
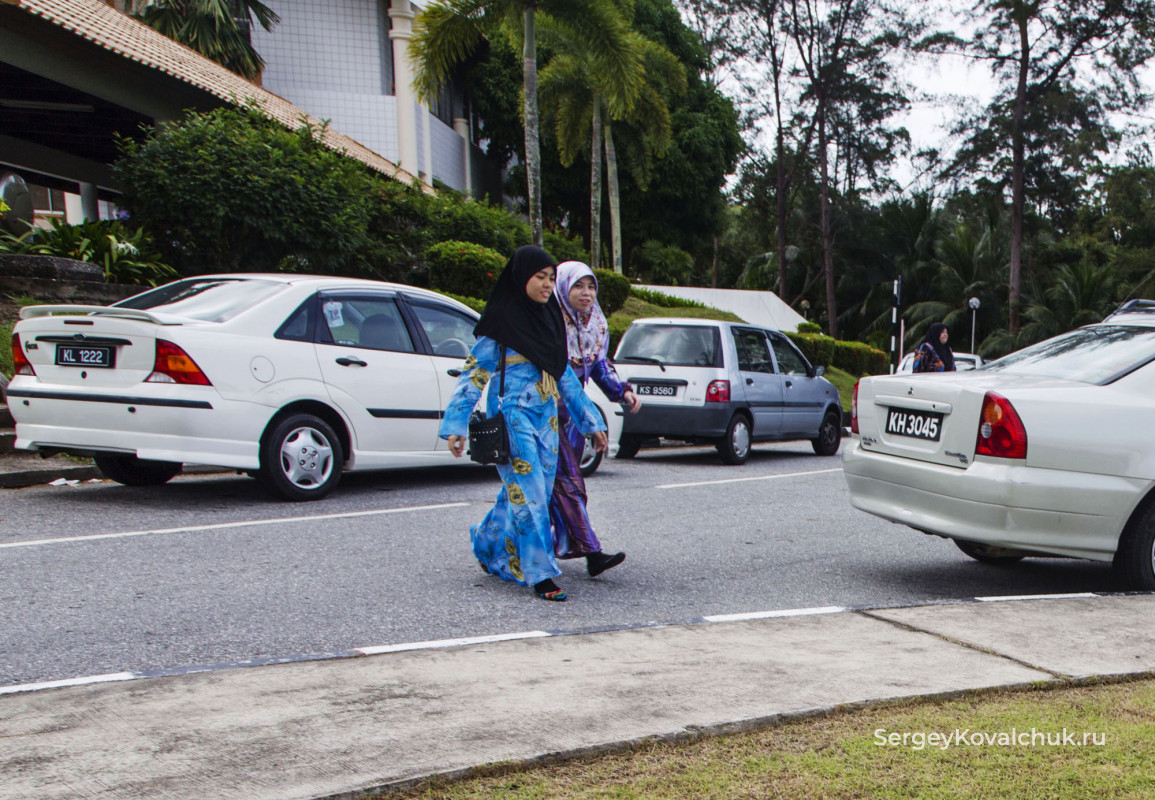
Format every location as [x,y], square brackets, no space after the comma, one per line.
[934,354]
[522,332]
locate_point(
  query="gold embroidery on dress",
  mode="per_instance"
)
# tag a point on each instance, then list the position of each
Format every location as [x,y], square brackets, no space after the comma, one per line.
[522,467]
[516,495]
[480,378]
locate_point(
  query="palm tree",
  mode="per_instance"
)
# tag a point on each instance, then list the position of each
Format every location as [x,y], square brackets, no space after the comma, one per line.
[217,29]
[449,31]
[581,97]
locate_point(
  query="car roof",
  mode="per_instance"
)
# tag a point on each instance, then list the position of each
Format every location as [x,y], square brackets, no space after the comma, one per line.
[331,282]
[696,321]
[1133,312]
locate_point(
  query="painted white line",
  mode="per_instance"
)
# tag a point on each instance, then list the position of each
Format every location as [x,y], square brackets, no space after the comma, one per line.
[441,643]
[225,525]
[746,480]
[1009,597]
[36,687]
[790,612]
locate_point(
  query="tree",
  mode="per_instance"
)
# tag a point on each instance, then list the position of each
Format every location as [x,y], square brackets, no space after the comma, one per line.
[217,29]
[842,46]
[1063,67]
[574,87]
[449,31]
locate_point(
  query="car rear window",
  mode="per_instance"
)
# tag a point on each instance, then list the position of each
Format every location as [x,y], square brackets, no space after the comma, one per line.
[1099,354]
[208,300]
[677,345]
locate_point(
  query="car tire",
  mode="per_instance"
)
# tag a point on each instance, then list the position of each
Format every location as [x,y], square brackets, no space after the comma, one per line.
[628,445]
[301,458]
[133,471]
[734,447]
[590,459]
[1134,563]
[988,553]
[829,435]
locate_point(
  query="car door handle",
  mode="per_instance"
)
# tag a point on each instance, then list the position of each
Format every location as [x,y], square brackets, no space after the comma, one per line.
[348,362]
[749,381]
[789,384]
[453,373]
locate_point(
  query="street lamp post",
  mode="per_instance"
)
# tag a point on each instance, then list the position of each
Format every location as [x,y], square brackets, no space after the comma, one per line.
[974,304]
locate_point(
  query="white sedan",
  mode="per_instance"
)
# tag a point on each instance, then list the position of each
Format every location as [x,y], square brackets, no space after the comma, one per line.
[294,379]
[1044,452]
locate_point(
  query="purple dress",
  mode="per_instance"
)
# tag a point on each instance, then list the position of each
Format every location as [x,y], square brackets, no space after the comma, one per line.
[574,536]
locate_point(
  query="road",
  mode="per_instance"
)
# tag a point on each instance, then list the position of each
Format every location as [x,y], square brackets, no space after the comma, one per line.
[100,578]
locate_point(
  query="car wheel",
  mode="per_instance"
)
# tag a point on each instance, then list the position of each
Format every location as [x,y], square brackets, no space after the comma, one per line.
[591,459]
[133,471]
[628,445]
[735,445]
[988,553]
[1134,562]
[829,435]
[301,458]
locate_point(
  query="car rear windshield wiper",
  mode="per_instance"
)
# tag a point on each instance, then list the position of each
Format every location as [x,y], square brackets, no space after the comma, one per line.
[647,359]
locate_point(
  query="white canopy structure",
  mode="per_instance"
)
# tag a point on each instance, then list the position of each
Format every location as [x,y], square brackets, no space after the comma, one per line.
[757,308]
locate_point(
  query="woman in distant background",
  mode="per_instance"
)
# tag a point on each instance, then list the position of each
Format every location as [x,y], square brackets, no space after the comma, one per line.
[588,341]
[521,331]
[934,355]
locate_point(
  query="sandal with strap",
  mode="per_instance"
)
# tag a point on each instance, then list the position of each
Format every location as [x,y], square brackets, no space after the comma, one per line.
[548,590]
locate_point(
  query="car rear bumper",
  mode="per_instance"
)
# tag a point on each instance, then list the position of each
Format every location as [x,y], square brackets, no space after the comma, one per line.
[708,421]
[1043,511]
[196,428]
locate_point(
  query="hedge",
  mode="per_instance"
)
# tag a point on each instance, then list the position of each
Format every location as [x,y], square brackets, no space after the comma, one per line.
[463,268]
[854,357]
[613,289]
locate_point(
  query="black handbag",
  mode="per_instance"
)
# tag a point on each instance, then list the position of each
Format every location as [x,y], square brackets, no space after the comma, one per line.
[488,436]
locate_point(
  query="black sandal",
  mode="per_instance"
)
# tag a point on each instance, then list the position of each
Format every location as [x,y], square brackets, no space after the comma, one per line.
[597,563]
[548,590]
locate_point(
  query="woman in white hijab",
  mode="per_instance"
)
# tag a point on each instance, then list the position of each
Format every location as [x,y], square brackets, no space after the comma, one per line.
[588,339]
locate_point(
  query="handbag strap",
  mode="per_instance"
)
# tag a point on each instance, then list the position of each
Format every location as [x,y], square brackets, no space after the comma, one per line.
[501,390]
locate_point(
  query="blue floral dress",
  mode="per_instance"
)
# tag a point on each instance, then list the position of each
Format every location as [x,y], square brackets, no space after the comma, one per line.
[513,540]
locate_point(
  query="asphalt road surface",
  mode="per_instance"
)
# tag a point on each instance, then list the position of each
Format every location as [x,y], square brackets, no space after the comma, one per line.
[100,578]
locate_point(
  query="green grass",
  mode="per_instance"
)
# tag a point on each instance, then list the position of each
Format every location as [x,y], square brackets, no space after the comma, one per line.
[844,382]
[845,755]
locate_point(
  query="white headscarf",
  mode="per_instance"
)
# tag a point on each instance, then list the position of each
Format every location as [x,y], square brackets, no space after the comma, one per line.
[587,334]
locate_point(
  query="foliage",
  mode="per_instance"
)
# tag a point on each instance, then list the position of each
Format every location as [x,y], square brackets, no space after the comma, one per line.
[126,256]
[234,191]
[809,327]
[858,359]
[636,307]
[564,247]
[613,289]
[476,303]
[212,28]
[818,348]
[462,268]
[662,264]
[664,300]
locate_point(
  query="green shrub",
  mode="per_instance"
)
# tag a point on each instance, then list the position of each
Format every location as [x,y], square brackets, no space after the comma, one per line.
[463,268]
[564,248]
[818,349]
[859,359]
[613,289]
[126,256]
[655,262]
[664,300]
[232,190]
[617,328]
[809,327]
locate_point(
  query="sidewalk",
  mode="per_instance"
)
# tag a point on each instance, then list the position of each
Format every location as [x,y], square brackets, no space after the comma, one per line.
[339,727]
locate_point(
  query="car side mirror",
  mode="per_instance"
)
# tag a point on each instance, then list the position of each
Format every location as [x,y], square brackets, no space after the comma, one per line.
[818,371]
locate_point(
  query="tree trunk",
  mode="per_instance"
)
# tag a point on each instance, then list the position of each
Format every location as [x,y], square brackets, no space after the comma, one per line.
[596,186]
[615,199]
[1014,282]
[827,235]
[532,142]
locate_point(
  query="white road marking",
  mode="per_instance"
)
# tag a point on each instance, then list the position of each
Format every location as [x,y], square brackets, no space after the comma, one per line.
[790,612]
[745,480]
[224,525]
[440,643]
[1009,597]
[36,687]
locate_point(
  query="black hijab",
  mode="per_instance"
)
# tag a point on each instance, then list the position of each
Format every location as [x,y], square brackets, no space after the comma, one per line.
[534,330]
[943,350]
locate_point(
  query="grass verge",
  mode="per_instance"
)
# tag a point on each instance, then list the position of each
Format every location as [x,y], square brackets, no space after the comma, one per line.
[849,754]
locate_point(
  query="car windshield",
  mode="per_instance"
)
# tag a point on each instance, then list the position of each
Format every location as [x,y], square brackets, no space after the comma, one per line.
[208,300]
[678,345]
[1099,354]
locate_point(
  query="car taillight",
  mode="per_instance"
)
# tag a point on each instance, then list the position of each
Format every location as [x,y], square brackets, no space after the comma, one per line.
[173,365]
[20,363]
[1001,431]
[718,392]
[854,409]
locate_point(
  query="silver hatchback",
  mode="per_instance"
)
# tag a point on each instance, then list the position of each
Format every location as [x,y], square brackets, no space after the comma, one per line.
[724,383]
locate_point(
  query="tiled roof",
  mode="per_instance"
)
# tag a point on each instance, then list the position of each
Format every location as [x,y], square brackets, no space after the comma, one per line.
[108,28]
